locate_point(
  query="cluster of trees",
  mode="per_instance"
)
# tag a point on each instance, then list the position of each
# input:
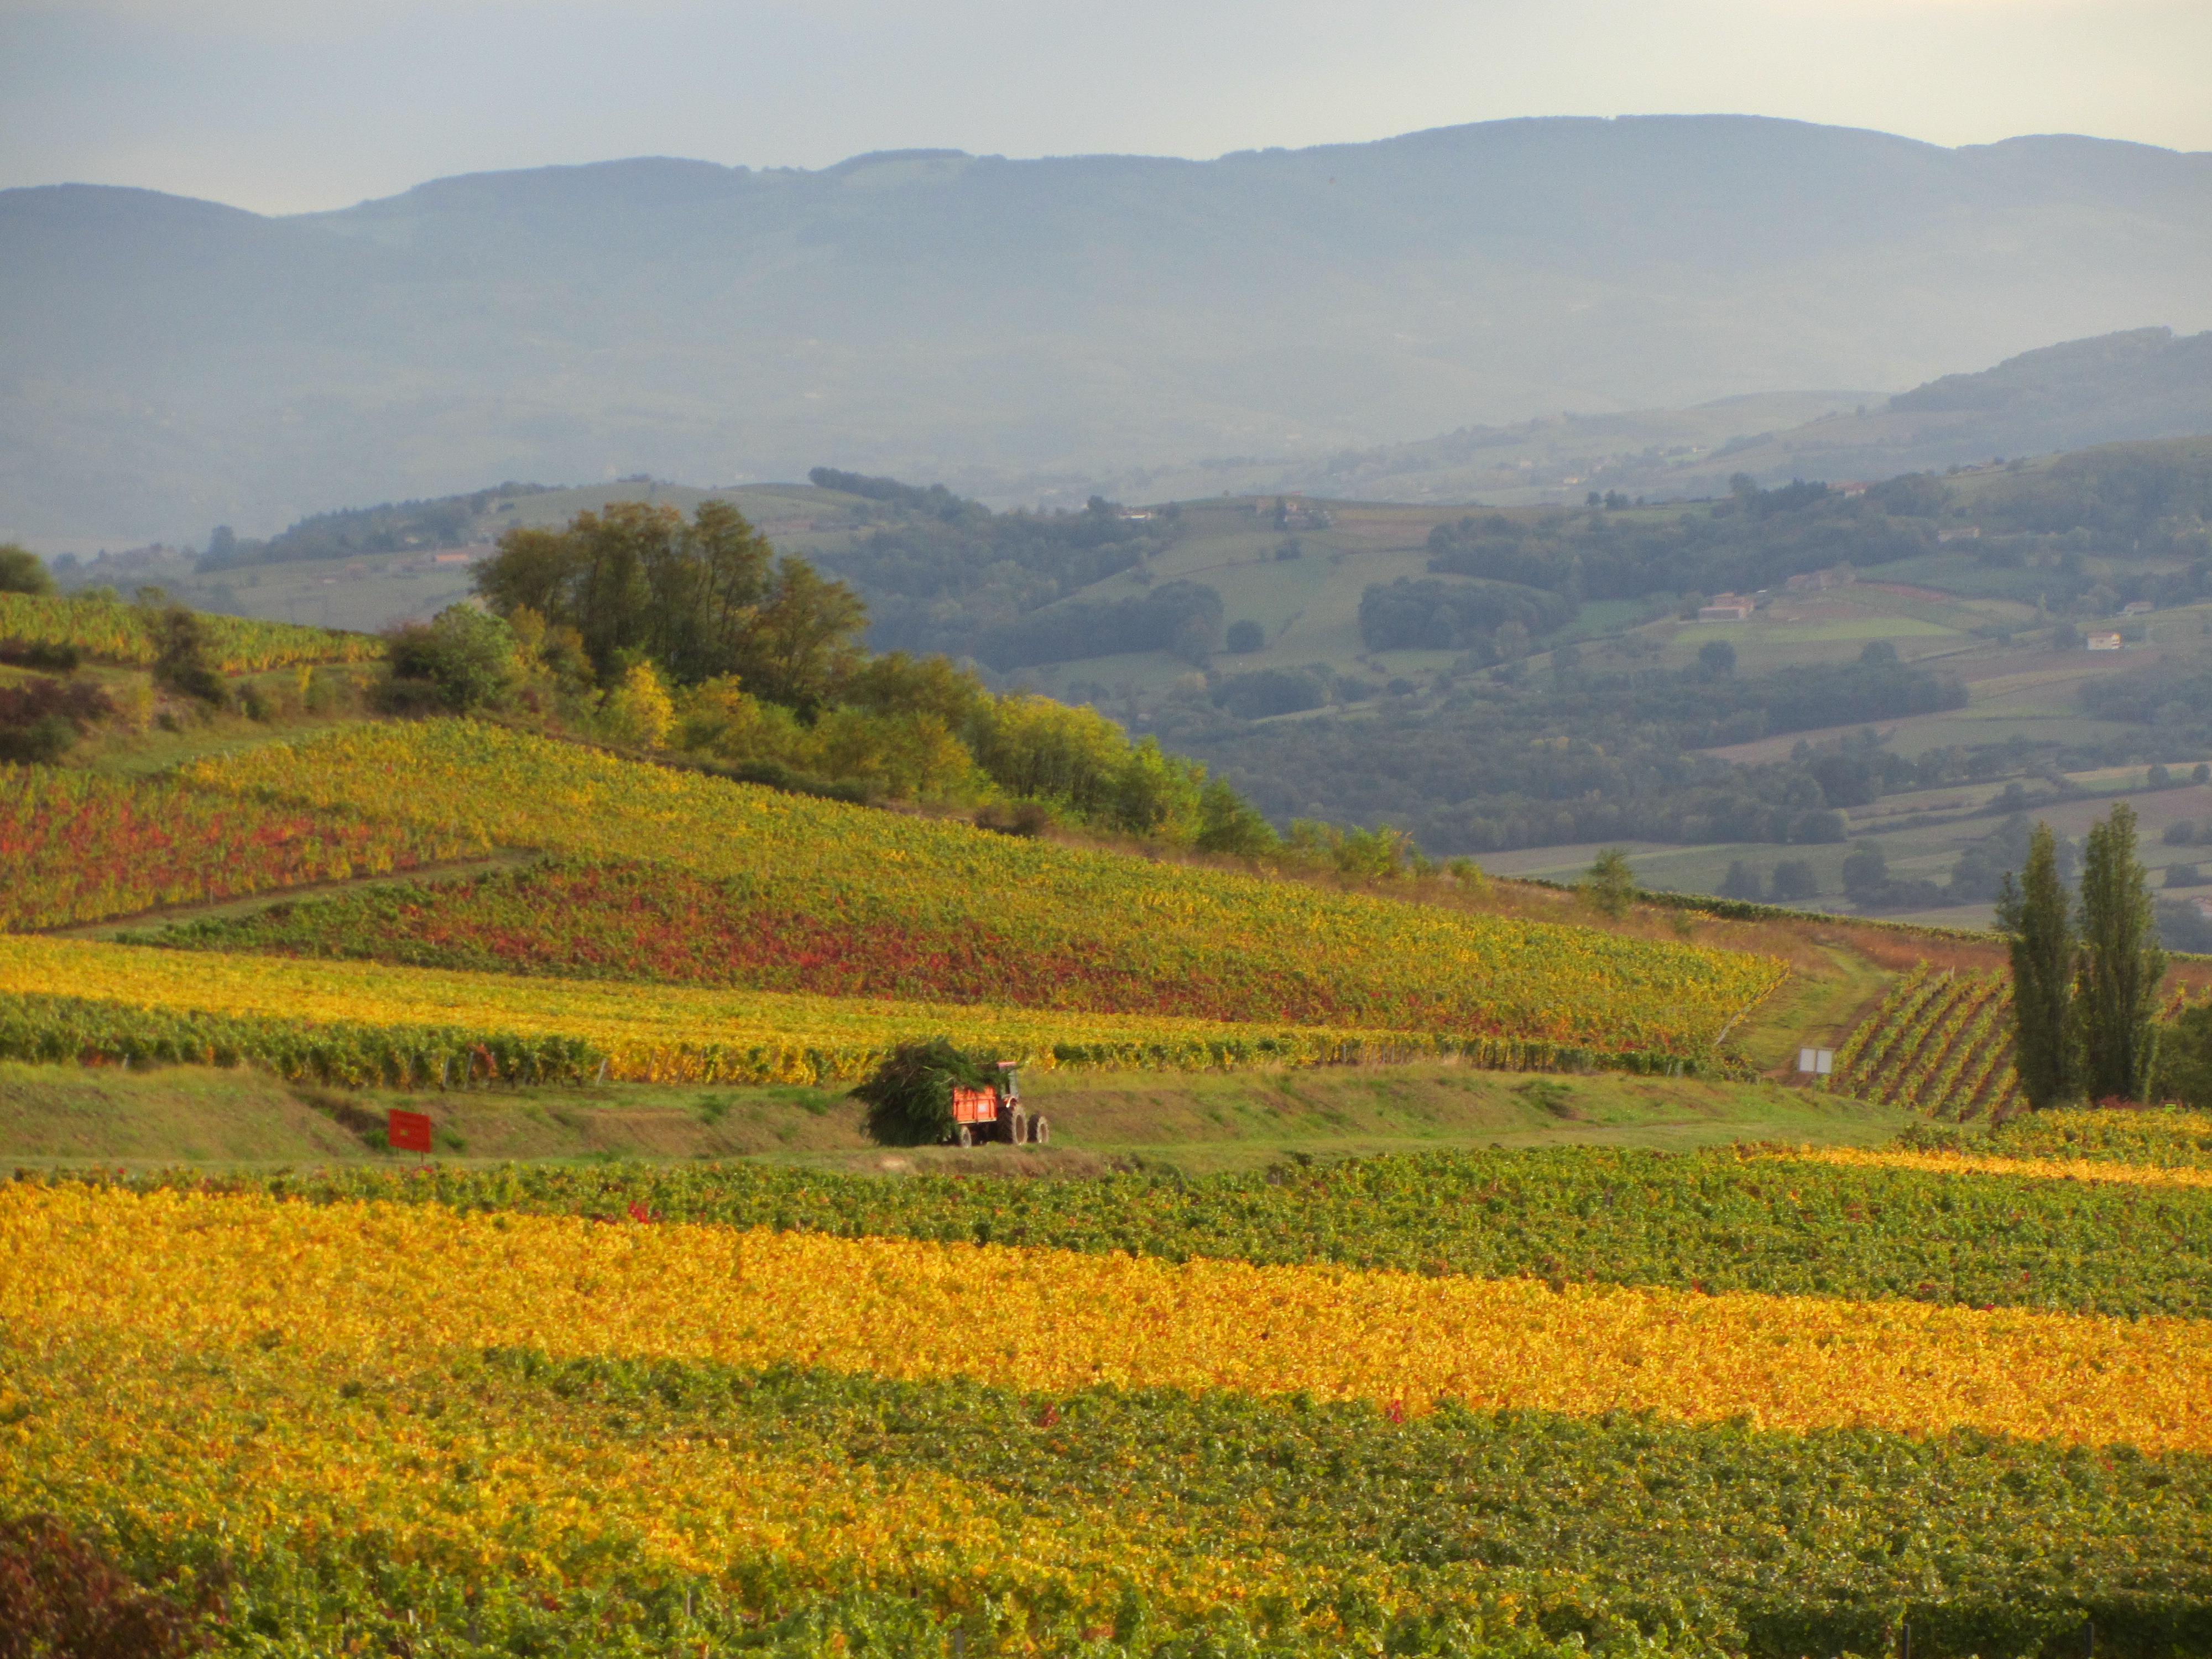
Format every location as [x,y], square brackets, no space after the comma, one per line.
[2085,974]
[2130,498]
[1459,616]
[391,527]
[637,627]
[945,574]
[1794,879]
[1751,539]
[1181,618]
[701,600]
[22,571]
[2088,961]
[1579,754]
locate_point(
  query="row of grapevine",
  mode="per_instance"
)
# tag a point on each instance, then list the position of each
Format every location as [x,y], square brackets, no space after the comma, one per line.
[1939,1044]
[133,995]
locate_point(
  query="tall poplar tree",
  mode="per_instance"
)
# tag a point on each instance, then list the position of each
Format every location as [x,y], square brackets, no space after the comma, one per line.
[2037,913]
[2115,990]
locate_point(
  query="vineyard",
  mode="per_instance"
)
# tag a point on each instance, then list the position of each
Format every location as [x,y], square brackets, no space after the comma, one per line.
[108,630]
[73,1000]
[77,846]
[1940,1044]
[723,1410]
[811,892]
[1941,1399]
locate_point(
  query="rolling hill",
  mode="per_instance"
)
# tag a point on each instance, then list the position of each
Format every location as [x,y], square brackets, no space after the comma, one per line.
[2144,383]
[174,364]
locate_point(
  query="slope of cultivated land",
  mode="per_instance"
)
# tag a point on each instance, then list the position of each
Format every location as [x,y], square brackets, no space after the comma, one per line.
[76,845]
[2161,1137]
[1530,1405]
[1073,929]
[1940,1043]
[69,999]
[113,632]
[1737,1219]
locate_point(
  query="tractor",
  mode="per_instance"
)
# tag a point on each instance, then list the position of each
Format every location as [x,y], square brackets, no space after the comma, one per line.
[994,1112]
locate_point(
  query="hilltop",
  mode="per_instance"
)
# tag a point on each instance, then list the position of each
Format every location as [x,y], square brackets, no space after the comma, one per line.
[177,364]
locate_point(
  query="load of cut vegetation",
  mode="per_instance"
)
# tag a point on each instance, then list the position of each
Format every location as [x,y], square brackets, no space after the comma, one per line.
[910,1096]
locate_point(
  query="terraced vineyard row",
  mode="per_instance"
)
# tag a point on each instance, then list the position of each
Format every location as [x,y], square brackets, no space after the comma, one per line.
[1940,1043]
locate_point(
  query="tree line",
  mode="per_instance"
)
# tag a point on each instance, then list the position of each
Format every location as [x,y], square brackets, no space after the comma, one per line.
[693,639]
[2085,969]
[945,574]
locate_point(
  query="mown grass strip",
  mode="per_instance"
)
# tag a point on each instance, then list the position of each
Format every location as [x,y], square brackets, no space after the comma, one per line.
[372,1283]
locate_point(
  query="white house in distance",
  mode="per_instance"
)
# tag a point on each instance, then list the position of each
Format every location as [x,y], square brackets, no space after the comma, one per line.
[2102,642]
[1726,607]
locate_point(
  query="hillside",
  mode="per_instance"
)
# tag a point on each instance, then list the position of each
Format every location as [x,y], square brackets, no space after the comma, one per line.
[177,364]
[445,1188]
[1524,685]
[2143,384]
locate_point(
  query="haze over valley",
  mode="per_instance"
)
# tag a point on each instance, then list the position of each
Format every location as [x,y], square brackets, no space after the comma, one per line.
[1026,330]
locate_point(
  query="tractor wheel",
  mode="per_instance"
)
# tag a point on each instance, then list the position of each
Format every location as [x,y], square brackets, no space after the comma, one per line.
[1018,1125]
[964,1135]
[1040,1132]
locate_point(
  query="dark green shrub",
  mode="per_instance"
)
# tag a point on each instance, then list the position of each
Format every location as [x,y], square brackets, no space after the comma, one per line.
[33,653]
[22,571]
[184,657]
[41,719]
[41,743]
[1023,818]
[467,654]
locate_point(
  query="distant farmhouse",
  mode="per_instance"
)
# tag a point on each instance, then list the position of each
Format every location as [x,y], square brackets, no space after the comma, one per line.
[1815,581]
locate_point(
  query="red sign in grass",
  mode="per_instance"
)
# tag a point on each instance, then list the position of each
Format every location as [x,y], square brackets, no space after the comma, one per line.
[409,1132]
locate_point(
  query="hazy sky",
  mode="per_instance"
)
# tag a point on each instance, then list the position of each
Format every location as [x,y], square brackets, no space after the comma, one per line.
[288,105]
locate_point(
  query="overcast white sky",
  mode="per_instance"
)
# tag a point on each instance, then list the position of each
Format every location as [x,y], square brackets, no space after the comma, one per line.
[285,106]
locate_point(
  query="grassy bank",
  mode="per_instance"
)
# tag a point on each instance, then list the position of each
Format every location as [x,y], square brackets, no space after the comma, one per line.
[61,1115]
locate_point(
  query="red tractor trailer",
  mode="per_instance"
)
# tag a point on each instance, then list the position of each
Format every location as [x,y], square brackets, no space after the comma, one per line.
[994,1112]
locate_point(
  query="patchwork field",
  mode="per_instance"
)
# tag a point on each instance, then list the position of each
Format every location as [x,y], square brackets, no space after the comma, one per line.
[1420,1268]
[1740,1403]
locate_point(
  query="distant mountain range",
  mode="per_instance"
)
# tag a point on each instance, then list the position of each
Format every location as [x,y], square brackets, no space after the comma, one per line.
[168,364]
